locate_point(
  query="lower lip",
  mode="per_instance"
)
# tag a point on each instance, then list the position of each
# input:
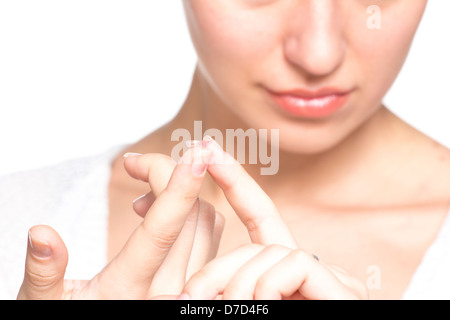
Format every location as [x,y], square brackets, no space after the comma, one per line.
[318,107]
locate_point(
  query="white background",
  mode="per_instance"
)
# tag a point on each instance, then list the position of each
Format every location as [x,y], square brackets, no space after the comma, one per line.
[77,77]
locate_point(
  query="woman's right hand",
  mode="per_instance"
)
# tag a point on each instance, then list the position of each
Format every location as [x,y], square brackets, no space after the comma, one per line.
[154,261]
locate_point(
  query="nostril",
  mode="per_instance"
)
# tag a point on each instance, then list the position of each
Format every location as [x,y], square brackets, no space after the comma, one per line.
[315,55]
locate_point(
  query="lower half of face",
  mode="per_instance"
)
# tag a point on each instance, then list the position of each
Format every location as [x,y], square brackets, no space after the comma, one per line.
[316,71]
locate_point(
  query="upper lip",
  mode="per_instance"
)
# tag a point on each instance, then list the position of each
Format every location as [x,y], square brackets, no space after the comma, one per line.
[311,94]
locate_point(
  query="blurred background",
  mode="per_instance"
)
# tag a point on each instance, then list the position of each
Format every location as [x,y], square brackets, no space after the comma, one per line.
[79,77]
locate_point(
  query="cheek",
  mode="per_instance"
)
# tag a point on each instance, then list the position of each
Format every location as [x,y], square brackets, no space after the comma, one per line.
[380,54]
[231,44]
[221,30]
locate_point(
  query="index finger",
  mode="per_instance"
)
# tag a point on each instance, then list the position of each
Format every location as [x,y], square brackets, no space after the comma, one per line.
[150,243]
[153,168]
[252,205]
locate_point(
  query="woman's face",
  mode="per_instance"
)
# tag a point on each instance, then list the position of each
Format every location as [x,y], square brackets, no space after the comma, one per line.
[314,69]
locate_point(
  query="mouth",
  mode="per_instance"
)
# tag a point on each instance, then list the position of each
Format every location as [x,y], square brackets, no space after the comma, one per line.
[303,103]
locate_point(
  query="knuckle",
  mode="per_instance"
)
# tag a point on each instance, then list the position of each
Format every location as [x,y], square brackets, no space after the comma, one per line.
[256,223]
[188,195]
[161,239]
[183,193]
[164,240]
[40,279]
[301,257]
[253,223]
[252,248]
[275,248]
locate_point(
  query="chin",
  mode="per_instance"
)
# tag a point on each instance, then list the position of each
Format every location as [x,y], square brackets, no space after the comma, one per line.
[307,138]
[306,146]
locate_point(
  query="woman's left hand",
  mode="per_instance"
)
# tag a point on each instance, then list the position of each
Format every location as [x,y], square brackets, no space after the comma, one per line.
[272,272]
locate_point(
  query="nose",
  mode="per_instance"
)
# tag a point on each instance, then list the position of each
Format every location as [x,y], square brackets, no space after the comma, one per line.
[314,40]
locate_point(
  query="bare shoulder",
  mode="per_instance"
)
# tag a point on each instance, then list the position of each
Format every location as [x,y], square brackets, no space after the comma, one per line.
[420,167]
[431,161]
[439,162]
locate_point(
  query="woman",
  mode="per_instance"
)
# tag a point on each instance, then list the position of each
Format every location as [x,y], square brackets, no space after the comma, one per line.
[356,187]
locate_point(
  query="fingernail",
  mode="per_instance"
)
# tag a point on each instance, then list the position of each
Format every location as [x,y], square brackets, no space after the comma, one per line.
[217,150]
[184,296]
[141,197]
[197,143]
[200,163]
[39,248]
[131,155]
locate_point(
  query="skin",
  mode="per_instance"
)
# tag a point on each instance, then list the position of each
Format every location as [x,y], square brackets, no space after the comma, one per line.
[372,193]
[155,259]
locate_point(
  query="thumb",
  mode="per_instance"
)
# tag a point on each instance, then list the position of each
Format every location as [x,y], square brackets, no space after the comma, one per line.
[45,265]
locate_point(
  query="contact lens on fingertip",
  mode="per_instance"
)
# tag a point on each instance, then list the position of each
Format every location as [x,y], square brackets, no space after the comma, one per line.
[197,143]
[193,143]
